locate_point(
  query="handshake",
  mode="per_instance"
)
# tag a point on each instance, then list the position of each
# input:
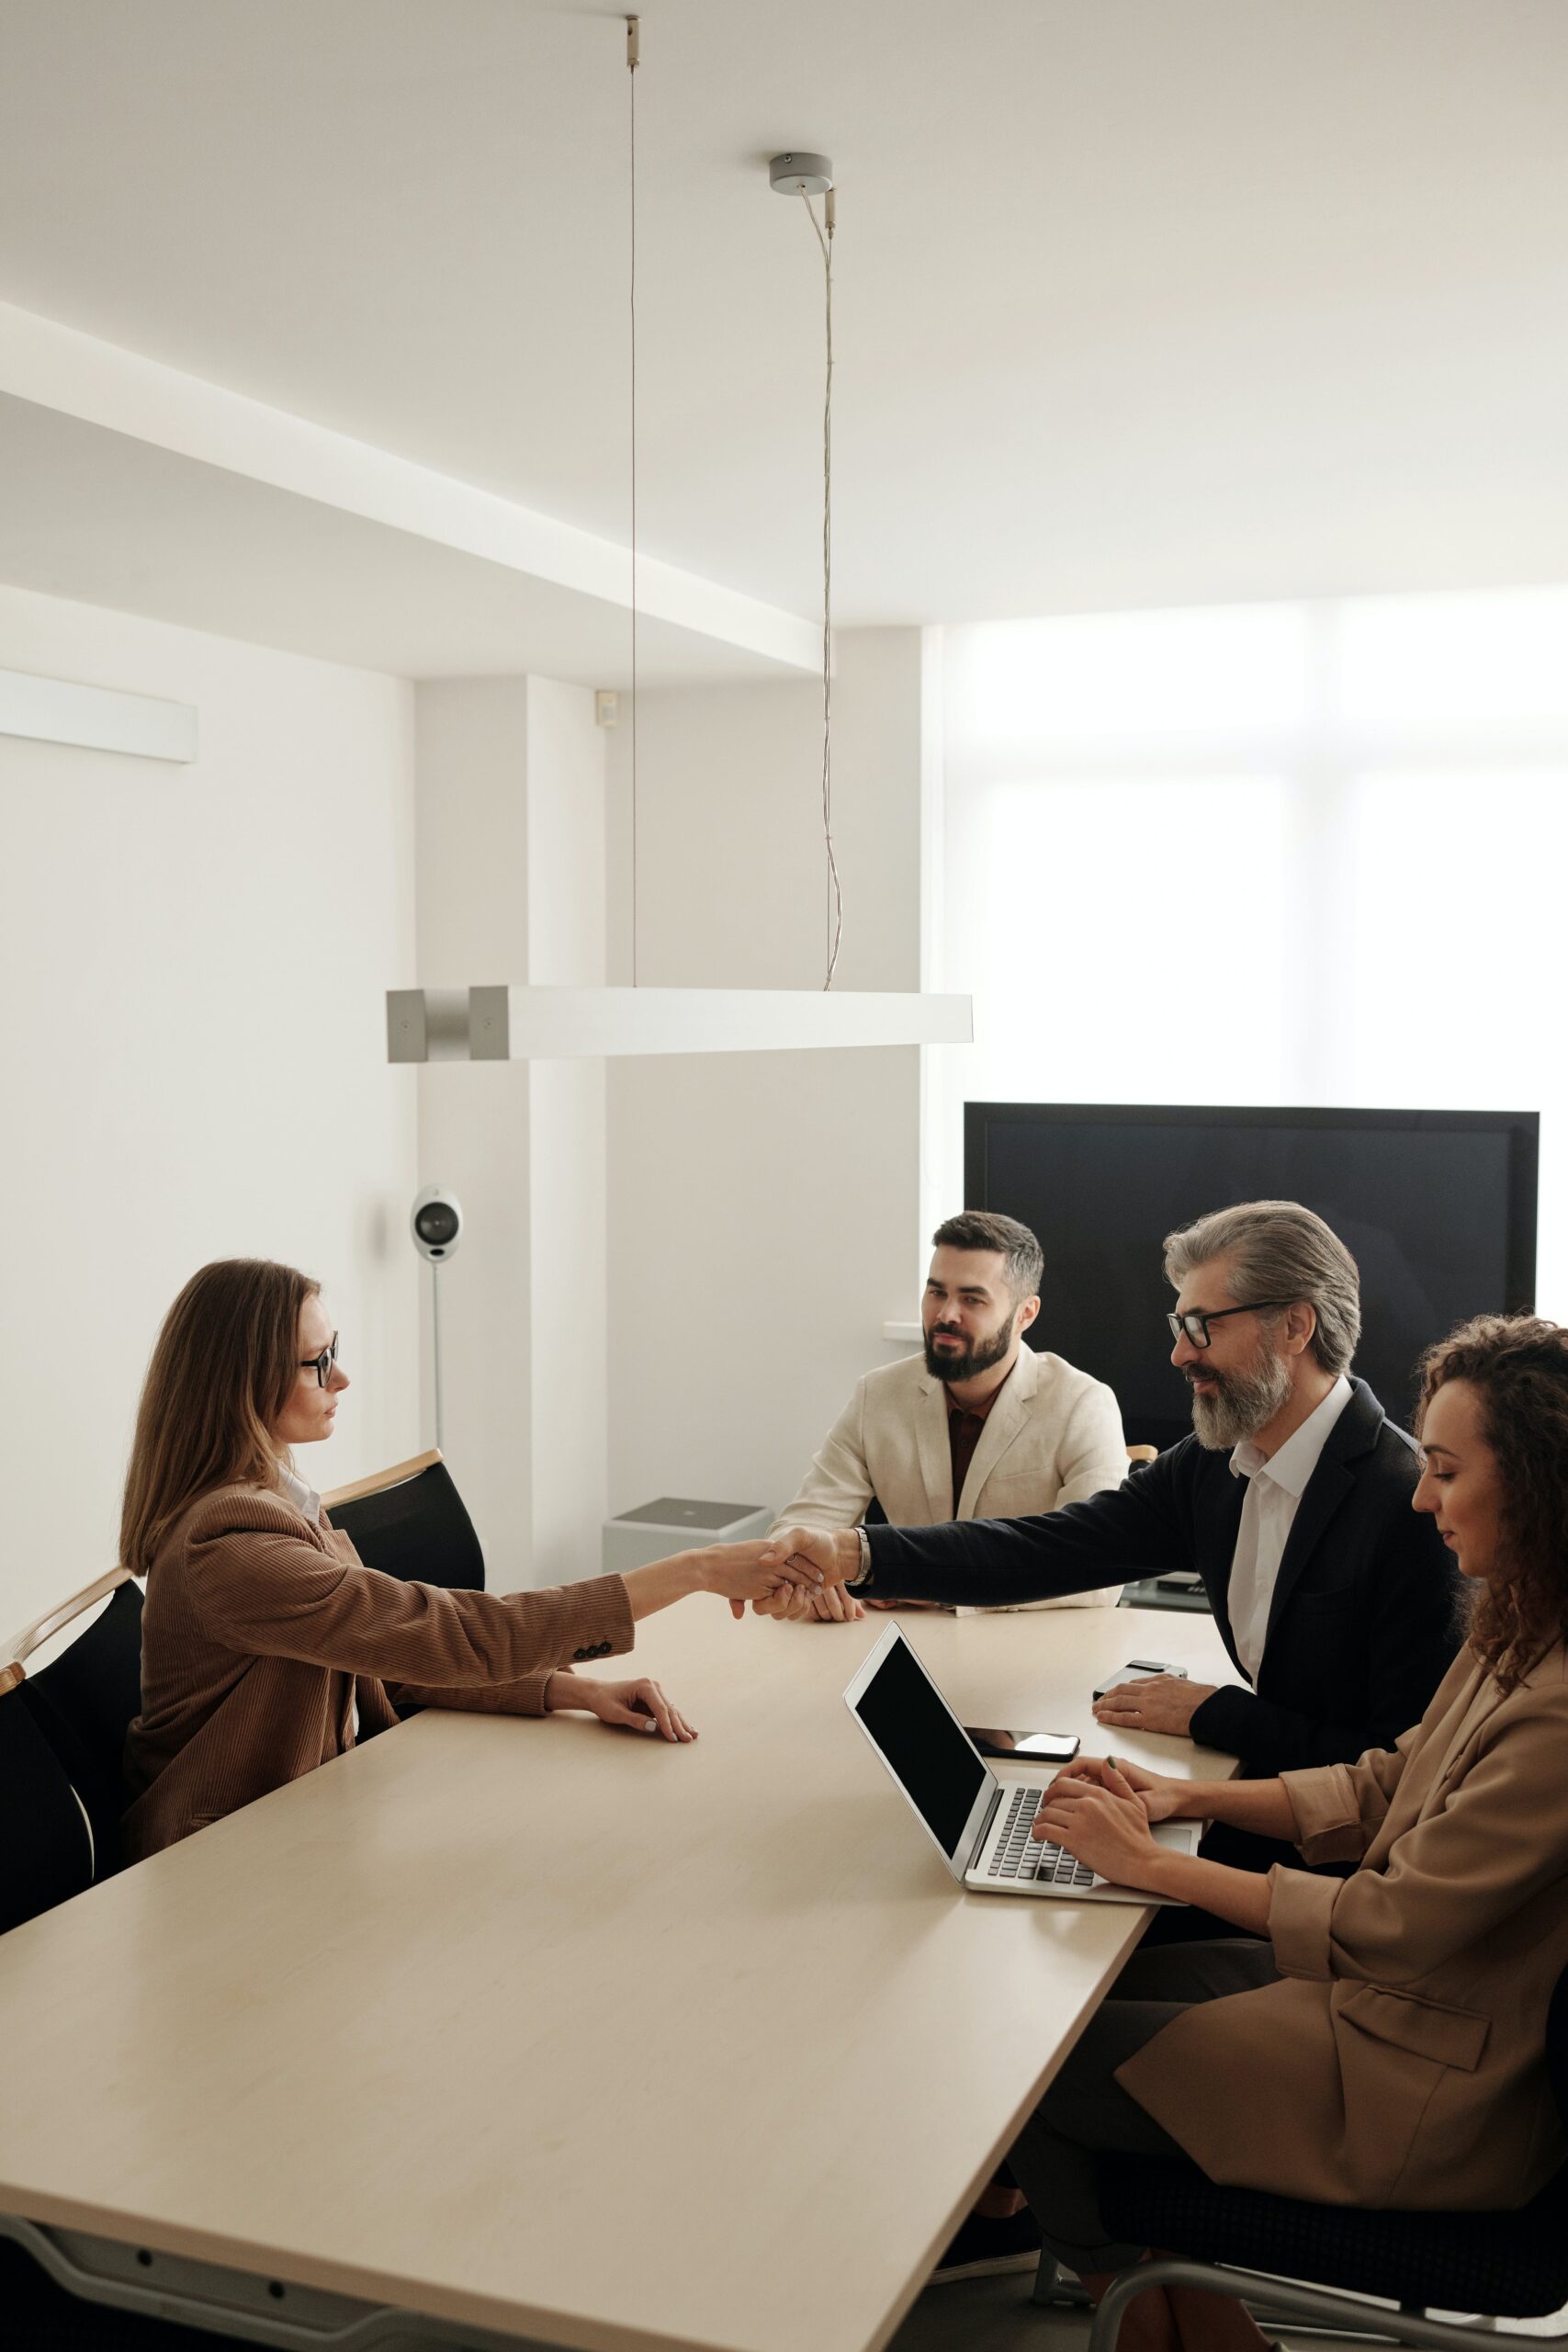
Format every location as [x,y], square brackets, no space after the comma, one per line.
[800,1573]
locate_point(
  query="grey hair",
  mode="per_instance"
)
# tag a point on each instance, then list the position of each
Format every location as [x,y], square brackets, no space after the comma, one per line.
[1278,1249]
[984,1229]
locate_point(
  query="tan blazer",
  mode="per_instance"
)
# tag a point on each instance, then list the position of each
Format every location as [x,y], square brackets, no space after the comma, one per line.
[1401,2061]
[1052,1436]
[262,1634]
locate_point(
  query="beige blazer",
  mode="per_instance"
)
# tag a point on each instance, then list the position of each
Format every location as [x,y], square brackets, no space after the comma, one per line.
[264,1639]
[1052,1436]
[1401,2061]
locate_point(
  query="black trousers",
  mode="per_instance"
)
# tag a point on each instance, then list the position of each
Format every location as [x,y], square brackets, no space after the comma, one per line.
[1085,2113]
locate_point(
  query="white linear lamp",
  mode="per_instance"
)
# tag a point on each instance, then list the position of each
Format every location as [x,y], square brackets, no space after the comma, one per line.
[521,1025]
[96,718]
[499,1024]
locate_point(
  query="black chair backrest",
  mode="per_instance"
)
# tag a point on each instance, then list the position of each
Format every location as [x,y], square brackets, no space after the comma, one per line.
[417,1530]
[82,1705]
[46,1848]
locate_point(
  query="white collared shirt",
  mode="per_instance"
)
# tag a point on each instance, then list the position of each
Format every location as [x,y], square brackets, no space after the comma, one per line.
[1274,1489]
[307,1503]
[305,1500]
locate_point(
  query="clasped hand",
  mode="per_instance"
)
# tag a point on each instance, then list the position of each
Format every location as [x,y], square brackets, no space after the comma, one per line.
[770,1576]
[1101,1812]
[819,1558]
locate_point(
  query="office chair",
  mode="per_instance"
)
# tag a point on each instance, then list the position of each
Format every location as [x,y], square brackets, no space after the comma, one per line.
[46,1841]
[83,1704]
[1236,2241]
[62,1741]
[409,1521]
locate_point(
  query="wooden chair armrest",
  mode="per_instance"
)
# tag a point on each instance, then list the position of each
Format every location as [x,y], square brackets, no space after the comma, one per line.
[379,1480]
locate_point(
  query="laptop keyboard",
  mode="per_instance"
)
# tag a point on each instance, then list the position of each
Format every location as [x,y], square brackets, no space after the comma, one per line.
[1017,1855]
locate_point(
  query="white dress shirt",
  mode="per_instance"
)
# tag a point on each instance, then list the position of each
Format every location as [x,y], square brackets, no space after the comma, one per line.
[1274,1490]
[304,1498]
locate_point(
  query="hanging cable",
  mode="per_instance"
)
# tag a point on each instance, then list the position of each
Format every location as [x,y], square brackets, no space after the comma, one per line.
[824,229]
[633,59]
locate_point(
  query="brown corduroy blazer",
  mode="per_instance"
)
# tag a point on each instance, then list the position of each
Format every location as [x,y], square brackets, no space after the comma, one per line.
[1401,2060]
[262,1632]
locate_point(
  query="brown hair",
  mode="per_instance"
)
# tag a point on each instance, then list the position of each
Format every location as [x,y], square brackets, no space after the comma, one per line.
[984,1229]
[220,1373]
[1518,1364]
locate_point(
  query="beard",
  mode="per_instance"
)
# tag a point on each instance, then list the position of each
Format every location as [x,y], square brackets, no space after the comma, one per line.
[963,1364]
[1243,1402]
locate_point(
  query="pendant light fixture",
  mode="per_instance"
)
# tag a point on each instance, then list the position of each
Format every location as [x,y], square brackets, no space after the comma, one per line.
[526,1024]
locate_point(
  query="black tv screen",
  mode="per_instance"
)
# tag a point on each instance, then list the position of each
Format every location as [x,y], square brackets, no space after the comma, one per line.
[1437,1207]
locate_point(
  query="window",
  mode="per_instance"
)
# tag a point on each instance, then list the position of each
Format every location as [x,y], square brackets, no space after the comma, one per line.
[1282,853]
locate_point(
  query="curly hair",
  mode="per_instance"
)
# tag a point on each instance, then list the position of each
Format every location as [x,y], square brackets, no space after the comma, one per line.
[1518,1364]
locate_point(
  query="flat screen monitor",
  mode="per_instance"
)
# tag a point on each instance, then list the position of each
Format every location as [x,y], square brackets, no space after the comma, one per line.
[1437,1208]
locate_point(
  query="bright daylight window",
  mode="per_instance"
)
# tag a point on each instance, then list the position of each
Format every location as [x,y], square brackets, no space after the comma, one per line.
[1284,854]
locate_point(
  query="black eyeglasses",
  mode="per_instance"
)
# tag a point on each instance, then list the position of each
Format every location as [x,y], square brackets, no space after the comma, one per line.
[1195,1327]
[324,1364]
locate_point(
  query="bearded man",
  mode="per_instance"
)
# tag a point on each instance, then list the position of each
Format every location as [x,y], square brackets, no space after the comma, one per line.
[977,1426]
[1291,1500]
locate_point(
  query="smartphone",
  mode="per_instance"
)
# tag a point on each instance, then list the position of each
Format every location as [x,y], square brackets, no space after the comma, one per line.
[1026,1747]
[1134,1669]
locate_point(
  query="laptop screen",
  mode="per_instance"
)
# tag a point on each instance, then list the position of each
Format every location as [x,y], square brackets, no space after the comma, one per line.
[906,1715]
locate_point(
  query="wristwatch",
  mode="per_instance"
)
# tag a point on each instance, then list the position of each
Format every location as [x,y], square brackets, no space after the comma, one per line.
[862,1578]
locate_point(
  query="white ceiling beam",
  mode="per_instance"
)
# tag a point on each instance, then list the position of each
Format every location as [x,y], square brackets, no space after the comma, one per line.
[57,710]
[77,374]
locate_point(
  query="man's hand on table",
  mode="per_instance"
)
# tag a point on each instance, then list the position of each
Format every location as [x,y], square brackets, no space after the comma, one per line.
[1155,1702]
[639,1705]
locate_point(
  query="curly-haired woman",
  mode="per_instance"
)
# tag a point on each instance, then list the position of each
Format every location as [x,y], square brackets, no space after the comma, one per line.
[1383,2043]
[265,1642]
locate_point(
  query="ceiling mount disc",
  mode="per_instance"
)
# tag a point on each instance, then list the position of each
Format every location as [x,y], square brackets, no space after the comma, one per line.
[798,173]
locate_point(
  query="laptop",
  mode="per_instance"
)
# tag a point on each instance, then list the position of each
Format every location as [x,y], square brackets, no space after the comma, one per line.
[980,1823]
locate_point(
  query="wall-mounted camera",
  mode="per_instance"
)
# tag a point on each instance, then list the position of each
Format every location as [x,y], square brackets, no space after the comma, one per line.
[437,1223]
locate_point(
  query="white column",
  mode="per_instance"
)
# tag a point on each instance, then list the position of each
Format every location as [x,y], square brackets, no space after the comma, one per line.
[763,1208]
[510,886]
[568,1282]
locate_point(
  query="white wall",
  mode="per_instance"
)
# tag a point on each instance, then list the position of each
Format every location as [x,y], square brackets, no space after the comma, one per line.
[193,1062]
[764,1208]
[510,889]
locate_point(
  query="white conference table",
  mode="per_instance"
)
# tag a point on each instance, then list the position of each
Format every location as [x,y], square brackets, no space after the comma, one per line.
[576,2036]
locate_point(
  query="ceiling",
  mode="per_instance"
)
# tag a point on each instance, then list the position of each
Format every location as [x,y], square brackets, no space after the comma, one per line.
[1136,302]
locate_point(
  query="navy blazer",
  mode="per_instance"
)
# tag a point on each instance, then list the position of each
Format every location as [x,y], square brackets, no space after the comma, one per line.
[1366,1612]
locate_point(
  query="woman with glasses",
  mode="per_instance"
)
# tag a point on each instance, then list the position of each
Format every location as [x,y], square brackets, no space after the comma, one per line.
[266,1644]
[1382,2042]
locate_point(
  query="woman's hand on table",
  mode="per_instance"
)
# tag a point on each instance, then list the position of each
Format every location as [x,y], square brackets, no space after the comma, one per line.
[639,1705]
